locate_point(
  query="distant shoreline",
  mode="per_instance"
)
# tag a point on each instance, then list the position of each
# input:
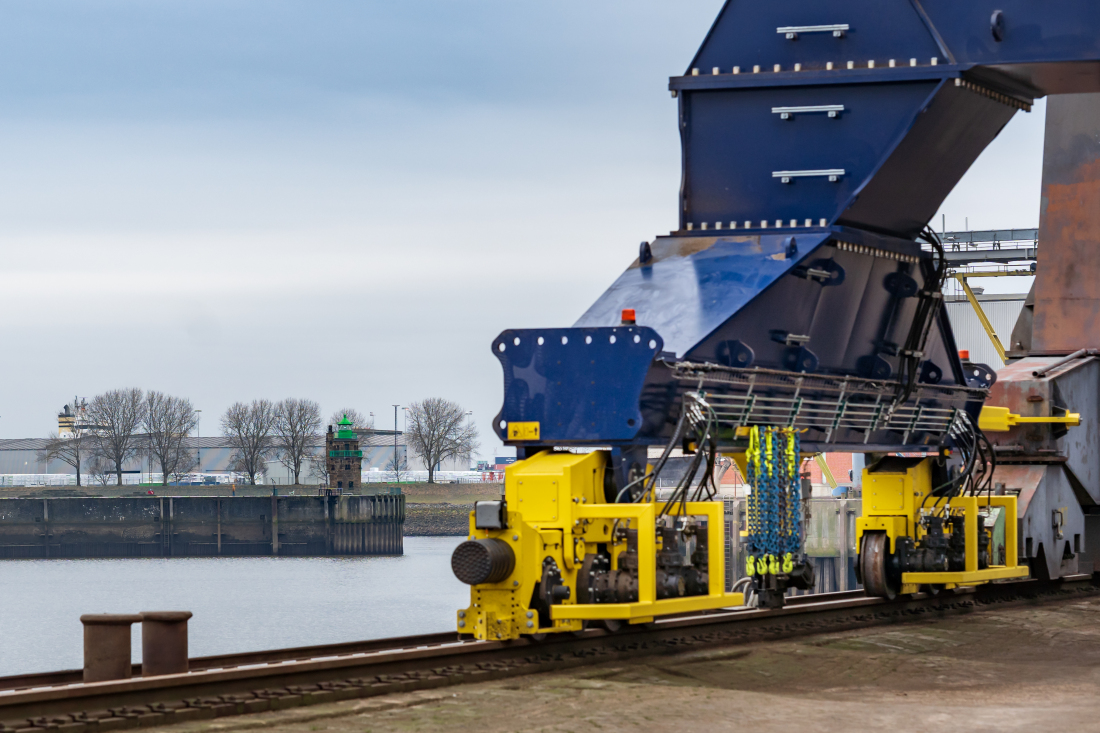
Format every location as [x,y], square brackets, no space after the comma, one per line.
[437,520]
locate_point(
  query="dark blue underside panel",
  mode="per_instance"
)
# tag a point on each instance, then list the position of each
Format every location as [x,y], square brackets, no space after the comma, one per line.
[694,284]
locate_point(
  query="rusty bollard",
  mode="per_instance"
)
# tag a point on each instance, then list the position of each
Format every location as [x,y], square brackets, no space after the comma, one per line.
[107,645]
[163,642]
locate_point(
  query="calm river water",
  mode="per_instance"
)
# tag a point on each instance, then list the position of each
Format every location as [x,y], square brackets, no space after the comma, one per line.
[240,604]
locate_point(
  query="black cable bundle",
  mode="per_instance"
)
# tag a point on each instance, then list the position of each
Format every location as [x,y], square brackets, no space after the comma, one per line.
[978,458]
[928,306]
[696,415]
[703,424]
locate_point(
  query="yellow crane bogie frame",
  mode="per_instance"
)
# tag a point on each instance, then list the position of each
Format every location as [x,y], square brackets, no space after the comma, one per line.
[557,512]
[894,502]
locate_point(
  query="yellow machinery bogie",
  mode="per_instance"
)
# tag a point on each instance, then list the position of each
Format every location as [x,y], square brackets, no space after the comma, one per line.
[908,539]
[535,567]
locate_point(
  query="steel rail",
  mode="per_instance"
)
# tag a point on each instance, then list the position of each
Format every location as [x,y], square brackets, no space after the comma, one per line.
[240,659]
[67,677]
[255,682]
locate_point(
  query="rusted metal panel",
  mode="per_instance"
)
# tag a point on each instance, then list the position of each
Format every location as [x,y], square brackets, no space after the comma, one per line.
[1024,478]
[1075,387]
[1067,291]
[1052,525]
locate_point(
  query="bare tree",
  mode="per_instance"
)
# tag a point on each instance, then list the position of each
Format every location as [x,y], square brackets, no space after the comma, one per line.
[438,431]
[320,466]
[296,426]
[248,428]
[100,470]
[398,466]
[114,418]
[168,421]
[357,418]
[74,450]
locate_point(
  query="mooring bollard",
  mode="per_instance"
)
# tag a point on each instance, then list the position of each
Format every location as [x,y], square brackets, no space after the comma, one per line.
[107,645]
[163,642]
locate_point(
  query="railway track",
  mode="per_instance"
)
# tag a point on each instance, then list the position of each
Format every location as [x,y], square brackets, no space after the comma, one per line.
[236,684]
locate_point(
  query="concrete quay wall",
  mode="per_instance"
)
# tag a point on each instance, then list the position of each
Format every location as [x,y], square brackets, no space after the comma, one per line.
[194,526]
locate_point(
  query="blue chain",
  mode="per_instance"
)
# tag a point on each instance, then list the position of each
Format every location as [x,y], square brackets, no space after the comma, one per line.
[773,514]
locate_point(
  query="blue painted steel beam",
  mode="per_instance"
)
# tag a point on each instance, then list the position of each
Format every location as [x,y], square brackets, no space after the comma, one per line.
[923,88]
[818,138]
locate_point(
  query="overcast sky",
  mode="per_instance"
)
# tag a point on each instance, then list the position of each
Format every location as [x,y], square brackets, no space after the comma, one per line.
[345,201]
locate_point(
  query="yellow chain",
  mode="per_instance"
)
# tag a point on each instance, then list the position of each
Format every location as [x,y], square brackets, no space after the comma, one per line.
[792,460]
[752,455]
[768,448]
[750,566]
[788,563]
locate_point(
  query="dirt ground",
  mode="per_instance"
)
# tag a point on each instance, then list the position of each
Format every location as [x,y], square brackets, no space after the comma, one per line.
[1024,668]
[450,493]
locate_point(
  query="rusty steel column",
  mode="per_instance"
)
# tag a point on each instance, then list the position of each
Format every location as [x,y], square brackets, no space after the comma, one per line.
[107,645]
[164,642]
[1067,291]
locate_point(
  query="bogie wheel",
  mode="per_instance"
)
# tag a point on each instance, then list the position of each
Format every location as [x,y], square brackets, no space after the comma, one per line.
[611,624]
[875,566]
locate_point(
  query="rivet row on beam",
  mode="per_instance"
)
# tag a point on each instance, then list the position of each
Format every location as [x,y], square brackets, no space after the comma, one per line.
[829,66]
[763,224]
[995,96]
[863,249]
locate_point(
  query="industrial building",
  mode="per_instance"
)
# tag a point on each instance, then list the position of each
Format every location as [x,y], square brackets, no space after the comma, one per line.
[1002,310]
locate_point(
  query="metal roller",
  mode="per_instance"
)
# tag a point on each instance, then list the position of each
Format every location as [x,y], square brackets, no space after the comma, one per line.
[483,561]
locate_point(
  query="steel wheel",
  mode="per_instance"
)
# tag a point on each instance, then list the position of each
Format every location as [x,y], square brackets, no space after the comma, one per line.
[873,559]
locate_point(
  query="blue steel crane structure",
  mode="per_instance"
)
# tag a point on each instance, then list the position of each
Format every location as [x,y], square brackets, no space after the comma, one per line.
[801,289]
[818,140]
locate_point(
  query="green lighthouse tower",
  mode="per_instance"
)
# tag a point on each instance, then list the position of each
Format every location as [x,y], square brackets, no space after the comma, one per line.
[343,456]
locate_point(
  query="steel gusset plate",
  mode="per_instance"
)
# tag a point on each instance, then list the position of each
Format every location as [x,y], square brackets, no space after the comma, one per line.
[578,384]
